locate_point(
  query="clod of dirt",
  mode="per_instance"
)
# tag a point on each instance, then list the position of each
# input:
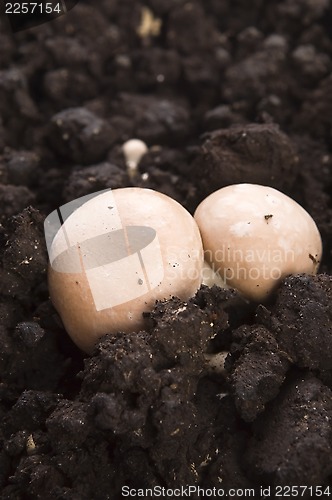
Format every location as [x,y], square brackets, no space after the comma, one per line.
[95,178]
[155,121]
[22,168]
[302,320]
[24,259]
[78,134]
[291,444]
[257,154]
[257,369]
[13,199]
[256,76]
[17,107]
[29,339]
[316,110]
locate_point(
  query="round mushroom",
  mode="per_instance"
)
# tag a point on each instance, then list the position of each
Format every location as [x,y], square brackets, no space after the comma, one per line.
[254,236]
[118,253]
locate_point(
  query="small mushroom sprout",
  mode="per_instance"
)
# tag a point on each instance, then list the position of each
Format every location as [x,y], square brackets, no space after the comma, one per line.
[133,151]
[254,236]
[115,255]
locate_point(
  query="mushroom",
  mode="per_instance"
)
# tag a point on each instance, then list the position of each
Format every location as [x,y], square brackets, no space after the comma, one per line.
[115,255]
[254,236]
[133,151]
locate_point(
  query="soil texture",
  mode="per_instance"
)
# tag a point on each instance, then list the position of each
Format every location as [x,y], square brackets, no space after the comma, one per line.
[222,92]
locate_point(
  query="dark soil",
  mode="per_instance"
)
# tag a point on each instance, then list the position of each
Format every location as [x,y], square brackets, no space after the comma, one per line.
[226,92]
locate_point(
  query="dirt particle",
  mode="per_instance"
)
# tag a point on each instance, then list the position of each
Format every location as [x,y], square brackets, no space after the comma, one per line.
[314,260]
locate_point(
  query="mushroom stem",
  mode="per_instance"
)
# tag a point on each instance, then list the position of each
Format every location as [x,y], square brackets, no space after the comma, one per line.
[210,277]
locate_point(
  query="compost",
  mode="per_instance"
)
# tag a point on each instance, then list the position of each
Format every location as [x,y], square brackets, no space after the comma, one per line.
[222,92]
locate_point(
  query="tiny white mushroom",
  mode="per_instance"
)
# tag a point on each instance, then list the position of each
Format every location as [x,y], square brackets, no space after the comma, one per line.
[254,236]
[133,151]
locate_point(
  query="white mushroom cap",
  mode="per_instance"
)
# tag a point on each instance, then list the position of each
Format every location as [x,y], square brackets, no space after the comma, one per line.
[254,236]
[117,254]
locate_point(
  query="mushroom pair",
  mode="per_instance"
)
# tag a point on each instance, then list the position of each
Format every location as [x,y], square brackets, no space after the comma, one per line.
[122,250]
